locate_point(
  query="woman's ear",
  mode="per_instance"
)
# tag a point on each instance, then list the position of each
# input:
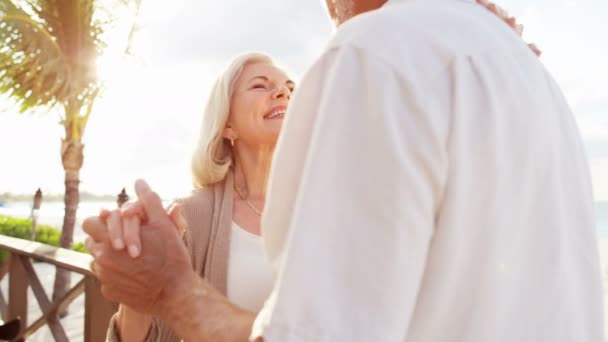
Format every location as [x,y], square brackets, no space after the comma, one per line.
[229,133]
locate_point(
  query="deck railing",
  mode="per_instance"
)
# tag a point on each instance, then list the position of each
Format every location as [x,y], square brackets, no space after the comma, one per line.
[22,275]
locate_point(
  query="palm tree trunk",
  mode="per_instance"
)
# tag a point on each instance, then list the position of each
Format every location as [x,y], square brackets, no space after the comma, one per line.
[72,158]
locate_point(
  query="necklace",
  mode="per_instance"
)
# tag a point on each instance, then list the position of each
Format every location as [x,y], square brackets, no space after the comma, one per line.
[248,202]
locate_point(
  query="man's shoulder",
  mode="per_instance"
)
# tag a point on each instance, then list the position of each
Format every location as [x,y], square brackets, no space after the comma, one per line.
[402,20]
[434,32]
[399,34]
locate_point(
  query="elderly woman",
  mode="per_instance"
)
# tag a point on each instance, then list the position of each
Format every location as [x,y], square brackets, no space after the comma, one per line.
[230,168]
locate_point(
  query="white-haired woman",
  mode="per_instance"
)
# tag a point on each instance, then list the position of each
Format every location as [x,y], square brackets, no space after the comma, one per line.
[230,168]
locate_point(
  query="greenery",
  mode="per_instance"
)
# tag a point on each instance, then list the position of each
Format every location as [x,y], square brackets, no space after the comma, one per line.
[22,228]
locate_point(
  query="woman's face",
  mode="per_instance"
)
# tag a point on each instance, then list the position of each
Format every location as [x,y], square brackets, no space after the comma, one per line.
[259,101]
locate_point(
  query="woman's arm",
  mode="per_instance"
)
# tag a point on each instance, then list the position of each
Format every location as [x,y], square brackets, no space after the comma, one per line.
[128,324]
[132,325]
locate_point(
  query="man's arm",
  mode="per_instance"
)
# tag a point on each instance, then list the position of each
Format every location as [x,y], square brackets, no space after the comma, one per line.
[368,161]
[198,312]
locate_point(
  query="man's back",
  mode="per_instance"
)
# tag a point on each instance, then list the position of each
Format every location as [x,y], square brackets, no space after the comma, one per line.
[514,255]
[485,230]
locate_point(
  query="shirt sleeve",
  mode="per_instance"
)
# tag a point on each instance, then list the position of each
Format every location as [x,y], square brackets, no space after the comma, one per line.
[356,182]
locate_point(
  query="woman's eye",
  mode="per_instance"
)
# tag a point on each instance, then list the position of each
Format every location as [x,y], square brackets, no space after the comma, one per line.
[258,86]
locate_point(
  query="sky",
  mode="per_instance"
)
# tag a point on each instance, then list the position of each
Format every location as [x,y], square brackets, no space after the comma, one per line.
[146,123]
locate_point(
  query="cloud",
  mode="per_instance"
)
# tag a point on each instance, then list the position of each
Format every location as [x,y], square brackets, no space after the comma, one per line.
[218,30]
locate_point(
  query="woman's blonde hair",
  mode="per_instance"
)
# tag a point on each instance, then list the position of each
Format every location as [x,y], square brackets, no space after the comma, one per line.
[213,154]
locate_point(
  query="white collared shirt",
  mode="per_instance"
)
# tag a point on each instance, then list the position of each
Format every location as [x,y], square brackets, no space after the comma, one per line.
[430,185]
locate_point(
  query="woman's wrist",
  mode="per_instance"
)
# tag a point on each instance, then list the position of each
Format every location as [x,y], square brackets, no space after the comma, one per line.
[132,325]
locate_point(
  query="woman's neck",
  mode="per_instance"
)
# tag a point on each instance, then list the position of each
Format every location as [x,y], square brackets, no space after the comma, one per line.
[252,167]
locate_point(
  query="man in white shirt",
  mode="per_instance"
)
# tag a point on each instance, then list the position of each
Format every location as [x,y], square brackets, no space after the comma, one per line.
[430,185]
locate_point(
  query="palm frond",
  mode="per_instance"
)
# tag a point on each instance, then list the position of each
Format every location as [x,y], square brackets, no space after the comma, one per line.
[32,71]
[48,53]
[78,35]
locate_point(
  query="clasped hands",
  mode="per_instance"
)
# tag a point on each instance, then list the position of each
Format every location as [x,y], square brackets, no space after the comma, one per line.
[142,262]
[139,256]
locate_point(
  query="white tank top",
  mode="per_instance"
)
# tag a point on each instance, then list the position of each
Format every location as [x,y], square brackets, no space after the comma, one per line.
[250,276]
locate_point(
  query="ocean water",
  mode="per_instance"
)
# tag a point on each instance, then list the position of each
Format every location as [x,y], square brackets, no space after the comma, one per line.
[52,214]
[602,228]
[601,213]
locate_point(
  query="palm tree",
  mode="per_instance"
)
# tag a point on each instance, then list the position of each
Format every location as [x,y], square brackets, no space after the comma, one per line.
[48,61]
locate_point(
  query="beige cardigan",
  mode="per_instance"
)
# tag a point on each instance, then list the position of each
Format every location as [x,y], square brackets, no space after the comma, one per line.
[208,213]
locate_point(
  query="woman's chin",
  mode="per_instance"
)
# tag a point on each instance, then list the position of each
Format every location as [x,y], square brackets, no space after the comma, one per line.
[268,139]
[273,124]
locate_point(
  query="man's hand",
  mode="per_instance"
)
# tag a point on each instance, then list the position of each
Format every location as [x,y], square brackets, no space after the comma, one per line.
[150,282]
[123,231]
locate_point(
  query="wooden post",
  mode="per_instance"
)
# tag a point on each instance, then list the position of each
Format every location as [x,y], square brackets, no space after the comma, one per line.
[122,198]
[43,301]
[97,312]
[17,291]
[35,212]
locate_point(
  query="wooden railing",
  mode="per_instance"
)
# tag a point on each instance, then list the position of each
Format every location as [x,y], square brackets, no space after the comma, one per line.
[22,275]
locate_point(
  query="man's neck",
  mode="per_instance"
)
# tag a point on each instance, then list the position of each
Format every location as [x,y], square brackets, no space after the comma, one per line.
[363,6]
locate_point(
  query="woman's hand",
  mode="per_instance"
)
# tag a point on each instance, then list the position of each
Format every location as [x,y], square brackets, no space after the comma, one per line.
[120,229]
[123,228]
[511,21]
[124,225]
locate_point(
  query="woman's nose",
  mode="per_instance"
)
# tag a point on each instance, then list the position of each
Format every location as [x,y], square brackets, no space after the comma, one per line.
[282,91]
